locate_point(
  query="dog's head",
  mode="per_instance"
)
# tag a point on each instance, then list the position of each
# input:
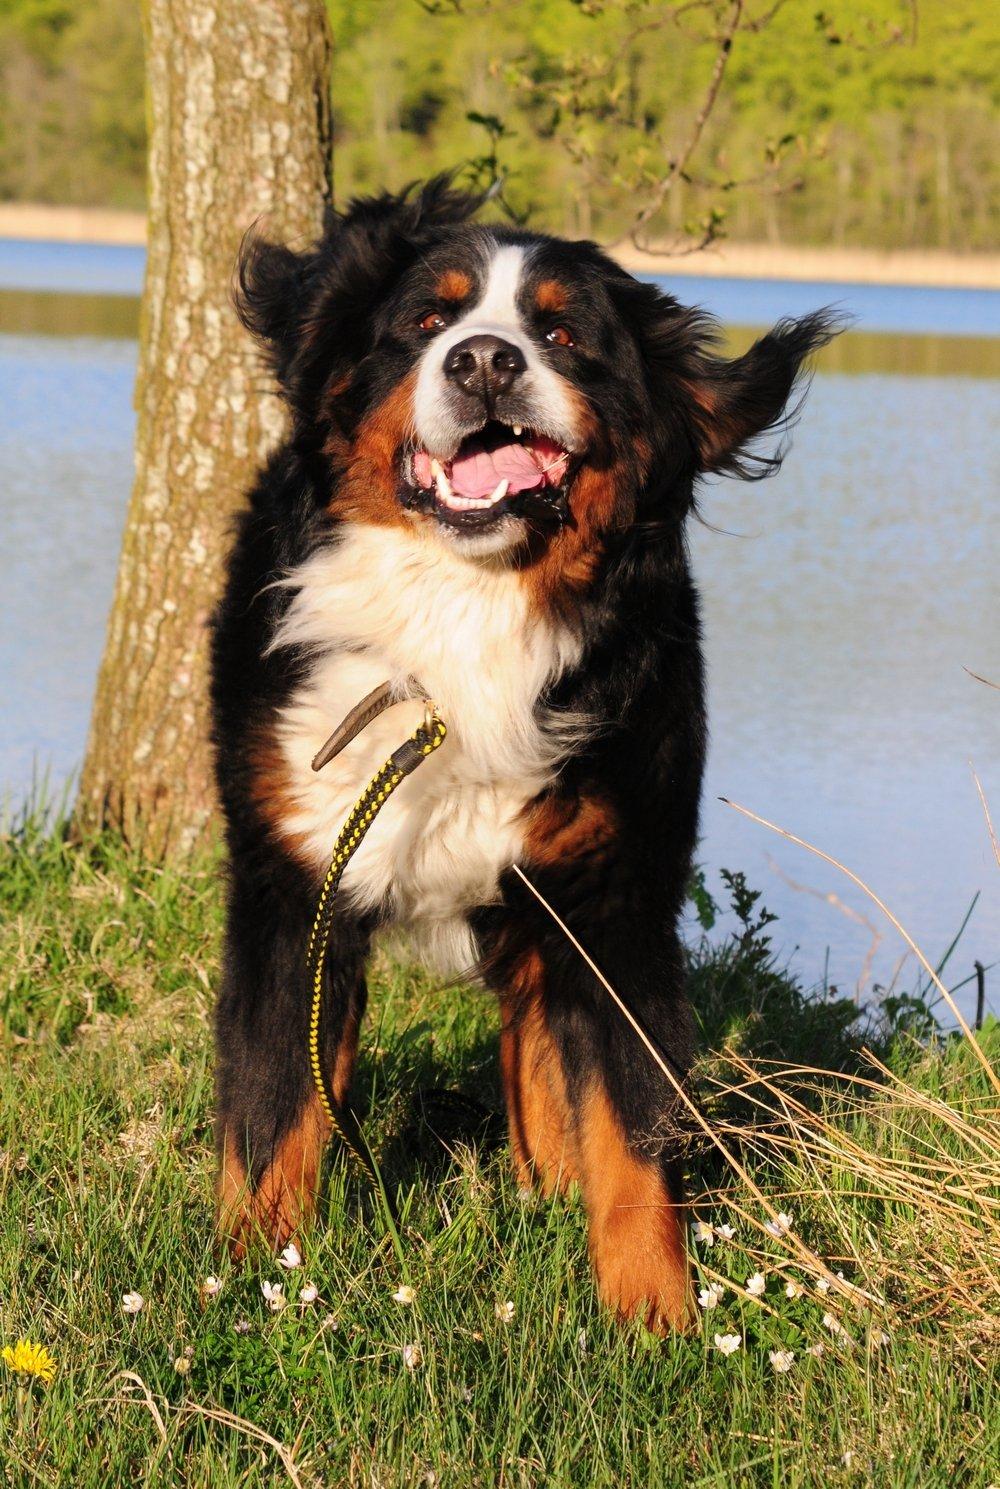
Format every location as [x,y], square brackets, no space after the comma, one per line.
[515,396]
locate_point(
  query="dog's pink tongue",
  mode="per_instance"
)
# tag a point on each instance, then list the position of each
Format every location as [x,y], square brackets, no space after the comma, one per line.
[478,471]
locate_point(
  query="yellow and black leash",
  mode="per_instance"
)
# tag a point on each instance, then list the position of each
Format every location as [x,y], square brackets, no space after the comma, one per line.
[427,738]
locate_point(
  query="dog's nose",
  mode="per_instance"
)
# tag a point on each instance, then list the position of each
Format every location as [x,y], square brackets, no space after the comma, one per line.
[484,365]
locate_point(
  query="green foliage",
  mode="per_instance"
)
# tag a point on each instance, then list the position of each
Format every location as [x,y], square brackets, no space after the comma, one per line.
[746,1001]
[847,130]
[705,907]
[72,114]
[834,125]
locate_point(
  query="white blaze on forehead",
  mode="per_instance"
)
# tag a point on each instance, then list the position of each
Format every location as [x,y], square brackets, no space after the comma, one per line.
[548,405]
[498,307]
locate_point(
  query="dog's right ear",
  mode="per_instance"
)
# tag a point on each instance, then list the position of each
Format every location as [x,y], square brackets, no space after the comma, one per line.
[273,283]
[313,312]
[271,294]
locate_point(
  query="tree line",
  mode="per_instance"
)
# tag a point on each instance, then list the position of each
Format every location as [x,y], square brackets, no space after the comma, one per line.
[869,122]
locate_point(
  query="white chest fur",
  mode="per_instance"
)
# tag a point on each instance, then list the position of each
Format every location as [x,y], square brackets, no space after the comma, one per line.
[385,603]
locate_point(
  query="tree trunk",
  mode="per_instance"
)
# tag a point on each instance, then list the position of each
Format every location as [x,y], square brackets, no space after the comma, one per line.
[238,98]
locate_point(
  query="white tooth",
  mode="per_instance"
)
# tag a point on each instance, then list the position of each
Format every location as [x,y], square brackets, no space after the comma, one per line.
[499,493]
[518,430]
[436,468]
[443,485]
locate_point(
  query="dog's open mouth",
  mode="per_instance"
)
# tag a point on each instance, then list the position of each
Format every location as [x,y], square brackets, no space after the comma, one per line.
[489,472]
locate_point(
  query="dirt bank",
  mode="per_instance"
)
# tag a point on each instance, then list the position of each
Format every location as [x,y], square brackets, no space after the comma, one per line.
[914,266]
[71,224]
[737,260]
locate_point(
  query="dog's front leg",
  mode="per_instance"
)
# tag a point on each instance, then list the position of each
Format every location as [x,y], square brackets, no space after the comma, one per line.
[624,1120]
[585,1099]
[539,1114]
[270,1126]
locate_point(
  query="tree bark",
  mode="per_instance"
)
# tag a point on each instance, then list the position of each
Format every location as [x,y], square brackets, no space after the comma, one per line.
[238,98]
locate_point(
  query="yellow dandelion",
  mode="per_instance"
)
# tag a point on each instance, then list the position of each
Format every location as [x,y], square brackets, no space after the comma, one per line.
[25,1358]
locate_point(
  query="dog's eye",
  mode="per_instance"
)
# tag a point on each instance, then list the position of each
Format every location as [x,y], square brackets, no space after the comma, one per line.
[431,321]
[560,336]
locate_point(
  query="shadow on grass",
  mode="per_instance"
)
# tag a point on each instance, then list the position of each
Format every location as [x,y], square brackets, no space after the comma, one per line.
[429,1098]
[435,1102]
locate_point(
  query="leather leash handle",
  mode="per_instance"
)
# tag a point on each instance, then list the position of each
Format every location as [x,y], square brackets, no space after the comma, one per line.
[361,715]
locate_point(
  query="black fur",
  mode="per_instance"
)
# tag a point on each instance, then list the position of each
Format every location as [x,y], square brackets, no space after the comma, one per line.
[338,324]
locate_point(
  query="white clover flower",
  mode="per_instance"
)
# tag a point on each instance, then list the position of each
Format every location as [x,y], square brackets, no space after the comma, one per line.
[581,1341]
[211,1287]
[182,1364]
[413,1356]
[505,1312]
[711,1296]
[794,1289]
[241,1326]
[879,1338]
[832,1322]
[274,1293]
[782,1359]
[728,1344]
[308,1293]
[817,1349]
[133,1302]
[725,1231]
[404,1295]
[756,1285]
[780,1226]
[291,1257]
[822,1285]
[704,1232]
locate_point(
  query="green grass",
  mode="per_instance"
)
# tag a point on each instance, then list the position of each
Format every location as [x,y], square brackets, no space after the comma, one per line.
[106,1186]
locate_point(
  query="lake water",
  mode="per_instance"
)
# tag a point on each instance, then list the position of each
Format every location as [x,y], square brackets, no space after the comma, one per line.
[843,600]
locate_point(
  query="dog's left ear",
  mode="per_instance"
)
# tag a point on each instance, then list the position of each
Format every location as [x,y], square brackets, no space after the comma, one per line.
[723,405]
[734,402]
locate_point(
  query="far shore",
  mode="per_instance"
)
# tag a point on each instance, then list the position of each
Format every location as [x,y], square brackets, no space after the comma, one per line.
[904,266]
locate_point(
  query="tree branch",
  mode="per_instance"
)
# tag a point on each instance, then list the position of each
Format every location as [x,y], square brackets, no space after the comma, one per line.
[678,164]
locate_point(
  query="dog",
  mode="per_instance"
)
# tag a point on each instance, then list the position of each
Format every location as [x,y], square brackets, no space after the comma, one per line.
[495,440]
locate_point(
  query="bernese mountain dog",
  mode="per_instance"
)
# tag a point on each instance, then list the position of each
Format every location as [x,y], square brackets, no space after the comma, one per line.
[495,439]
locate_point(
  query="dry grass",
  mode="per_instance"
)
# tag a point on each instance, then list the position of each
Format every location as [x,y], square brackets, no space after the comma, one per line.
[901,1183]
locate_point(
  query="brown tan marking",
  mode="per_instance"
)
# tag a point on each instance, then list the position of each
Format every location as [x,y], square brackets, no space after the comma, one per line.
[537,1107]
[454,285]
[562,827]
[713,434]
[636,1226]
[274,798]
[601,502]
[279,1206]
[719,428]
[551,297]
[369,490]
[569,560]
